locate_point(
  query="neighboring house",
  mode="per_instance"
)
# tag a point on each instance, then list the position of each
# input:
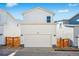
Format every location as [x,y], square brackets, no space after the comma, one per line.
[8,26]
[38,28]
[64,32]
[72,25]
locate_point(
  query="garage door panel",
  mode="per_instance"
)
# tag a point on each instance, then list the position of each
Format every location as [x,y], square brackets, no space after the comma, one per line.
[37,41]
[42,29]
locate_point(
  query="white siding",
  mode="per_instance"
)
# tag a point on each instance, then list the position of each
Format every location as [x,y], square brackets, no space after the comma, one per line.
[76,34]
[1,29]
[2,40]
[37,29]
[5,18]
[65,32]
[36,16]
[8,25]
[12,29]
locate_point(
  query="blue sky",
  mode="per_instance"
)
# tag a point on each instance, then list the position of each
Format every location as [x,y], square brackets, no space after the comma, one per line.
[61,10]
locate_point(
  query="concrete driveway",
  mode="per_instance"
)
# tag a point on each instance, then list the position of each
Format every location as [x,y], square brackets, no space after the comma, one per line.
[4,51]
[36,52]
[44,52]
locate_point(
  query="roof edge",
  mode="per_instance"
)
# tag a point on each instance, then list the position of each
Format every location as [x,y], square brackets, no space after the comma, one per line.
[38,8]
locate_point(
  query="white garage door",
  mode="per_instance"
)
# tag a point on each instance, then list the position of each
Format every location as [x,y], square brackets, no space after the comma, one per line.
[37,40]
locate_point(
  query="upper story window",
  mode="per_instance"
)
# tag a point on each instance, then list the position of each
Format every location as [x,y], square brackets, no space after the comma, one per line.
[48,19]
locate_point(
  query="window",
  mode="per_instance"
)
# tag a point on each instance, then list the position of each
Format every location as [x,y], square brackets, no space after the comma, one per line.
[48,19]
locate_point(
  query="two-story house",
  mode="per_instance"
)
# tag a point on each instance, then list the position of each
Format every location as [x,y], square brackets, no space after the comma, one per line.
[38,28]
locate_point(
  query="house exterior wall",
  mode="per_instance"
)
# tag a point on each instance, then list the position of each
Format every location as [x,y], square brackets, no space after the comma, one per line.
[74,22]
[38,29]
[1,29]
[1,35]
[12,29]
[8,26]
[65,32]
[76,34]
[2,41]
[34,27]
[5,18]
[37,16]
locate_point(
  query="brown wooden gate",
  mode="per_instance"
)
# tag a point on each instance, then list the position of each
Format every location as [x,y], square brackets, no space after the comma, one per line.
[12,42]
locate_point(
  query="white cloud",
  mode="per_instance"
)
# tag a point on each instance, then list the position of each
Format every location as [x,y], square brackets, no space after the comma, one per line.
[63,11]
[11,4]
[73,4]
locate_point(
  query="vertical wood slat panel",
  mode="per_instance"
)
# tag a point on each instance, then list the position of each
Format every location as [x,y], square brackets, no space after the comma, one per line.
[66,43]
[12,41]
[16,42]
